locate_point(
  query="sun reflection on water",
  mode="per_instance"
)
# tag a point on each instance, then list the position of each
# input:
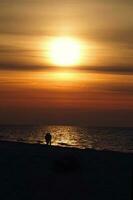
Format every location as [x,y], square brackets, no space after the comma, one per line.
[68,136]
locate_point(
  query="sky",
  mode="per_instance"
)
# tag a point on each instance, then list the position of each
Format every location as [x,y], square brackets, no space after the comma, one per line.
[97,91]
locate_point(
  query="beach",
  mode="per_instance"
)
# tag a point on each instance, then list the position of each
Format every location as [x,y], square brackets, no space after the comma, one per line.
[34,171]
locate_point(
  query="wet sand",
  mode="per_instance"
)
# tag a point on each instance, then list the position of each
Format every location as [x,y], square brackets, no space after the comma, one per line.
[34,171]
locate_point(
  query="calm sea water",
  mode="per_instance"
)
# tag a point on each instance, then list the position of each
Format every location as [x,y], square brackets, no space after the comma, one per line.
[116,139]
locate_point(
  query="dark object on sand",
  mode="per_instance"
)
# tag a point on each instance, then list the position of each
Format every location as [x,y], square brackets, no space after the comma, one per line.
[66,163]
[48,138]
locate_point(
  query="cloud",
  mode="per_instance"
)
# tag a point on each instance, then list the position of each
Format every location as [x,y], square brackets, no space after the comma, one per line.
[116,35]
[122,89]
[16,58]
[112,69]
[55,1]
[93,69]
[13,66]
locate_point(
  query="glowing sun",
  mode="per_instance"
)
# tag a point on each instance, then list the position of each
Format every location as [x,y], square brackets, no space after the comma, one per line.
[64,51]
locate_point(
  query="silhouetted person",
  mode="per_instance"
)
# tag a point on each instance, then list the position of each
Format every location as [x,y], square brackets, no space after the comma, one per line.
[48,138]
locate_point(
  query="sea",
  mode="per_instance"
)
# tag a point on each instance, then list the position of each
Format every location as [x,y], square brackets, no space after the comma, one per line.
[100,138]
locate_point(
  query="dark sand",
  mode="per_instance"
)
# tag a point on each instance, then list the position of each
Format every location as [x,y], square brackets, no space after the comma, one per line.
[36,171]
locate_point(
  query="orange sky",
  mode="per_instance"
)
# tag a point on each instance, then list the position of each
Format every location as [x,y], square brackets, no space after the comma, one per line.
[98,91]
[66,97]
[104,27]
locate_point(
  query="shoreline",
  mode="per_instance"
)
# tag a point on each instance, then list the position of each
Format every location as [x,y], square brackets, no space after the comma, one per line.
[62,145]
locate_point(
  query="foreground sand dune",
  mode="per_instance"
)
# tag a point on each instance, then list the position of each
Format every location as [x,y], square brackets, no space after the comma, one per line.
[39,172]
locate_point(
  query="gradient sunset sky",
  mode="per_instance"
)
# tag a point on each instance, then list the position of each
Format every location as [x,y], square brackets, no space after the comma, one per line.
[97,91]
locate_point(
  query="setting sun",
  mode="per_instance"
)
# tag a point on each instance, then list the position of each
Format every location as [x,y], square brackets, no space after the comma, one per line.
[64,51]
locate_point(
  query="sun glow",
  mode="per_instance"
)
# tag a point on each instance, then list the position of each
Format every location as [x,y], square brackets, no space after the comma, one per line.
[64,51]
[64,76]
